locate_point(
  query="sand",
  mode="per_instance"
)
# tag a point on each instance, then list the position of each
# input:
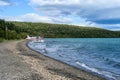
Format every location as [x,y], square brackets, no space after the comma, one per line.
[18,62]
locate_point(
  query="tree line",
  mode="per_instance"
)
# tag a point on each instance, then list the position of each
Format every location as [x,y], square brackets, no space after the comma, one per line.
[8,31]
[19,30]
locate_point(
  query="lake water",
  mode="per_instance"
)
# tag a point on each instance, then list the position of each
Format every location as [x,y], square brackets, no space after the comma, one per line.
[97,55]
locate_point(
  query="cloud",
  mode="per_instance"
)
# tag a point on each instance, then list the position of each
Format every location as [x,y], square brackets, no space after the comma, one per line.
[29,17]
[87,3]
[56,7]
[100,13]
[8,3]
[33,17]
[83,7]
[62,20]
[5,3]
[113,27]
[91,9]
[54,2]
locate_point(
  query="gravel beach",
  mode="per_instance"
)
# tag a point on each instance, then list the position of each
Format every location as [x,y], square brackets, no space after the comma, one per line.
[18,62]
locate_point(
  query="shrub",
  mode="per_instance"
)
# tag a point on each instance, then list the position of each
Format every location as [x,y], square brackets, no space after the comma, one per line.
[1,39]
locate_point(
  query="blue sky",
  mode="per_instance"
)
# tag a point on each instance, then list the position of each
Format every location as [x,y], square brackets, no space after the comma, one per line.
[94,13]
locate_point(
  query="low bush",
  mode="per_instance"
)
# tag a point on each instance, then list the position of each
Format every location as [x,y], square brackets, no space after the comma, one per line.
[1,39]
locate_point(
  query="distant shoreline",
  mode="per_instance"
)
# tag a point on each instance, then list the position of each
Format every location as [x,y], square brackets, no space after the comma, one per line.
[20,62]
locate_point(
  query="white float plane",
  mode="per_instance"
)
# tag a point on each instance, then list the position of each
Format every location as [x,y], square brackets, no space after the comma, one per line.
[35,39]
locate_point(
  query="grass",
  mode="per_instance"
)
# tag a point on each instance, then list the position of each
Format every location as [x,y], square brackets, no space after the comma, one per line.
[1,39]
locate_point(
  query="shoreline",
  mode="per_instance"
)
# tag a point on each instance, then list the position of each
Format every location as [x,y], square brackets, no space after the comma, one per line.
[65,64]
[80,69]
[32,65]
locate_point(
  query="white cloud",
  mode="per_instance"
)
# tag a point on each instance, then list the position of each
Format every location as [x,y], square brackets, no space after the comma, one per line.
[91,9]
[95,4]
[33,17]
[29,17]
[54,2]
[7,3]
[113,27]
[98,3]
[62,20]
[89,12]
[4,3]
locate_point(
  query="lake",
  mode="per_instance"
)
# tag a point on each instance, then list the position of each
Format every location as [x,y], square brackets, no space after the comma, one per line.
[100,56]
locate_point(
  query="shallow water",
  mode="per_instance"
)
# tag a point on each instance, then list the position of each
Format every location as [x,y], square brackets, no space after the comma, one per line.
[97,55]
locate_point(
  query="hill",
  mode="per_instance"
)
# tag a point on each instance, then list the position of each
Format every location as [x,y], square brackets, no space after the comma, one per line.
[21,29]
[61,30]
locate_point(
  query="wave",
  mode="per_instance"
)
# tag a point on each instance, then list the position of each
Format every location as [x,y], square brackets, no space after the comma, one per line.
[106,74]
[52,49]
[114,63]
[90,57]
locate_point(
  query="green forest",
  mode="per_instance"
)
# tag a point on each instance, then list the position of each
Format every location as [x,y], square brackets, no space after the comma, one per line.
[19,30]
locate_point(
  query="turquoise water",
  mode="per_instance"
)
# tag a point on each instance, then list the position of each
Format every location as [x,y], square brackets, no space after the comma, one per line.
[98,55]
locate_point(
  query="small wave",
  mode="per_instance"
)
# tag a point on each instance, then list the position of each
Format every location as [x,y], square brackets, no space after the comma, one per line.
[52,49]
[117,65]
[102,62]
[103,73]
[113,63]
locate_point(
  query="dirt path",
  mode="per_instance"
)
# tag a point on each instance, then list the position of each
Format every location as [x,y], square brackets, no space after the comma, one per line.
[12,66]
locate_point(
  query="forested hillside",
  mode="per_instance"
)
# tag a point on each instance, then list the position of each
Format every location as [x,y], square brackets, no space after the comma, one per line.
[18,30]
[9,31]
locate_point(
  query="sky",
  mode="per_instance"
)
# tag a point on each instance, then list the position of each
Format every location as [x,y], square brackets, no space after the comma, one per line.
[94,13]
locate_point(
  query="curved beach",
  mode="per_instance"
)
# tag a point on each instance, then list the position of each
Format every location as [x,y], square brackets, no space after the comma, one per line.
[18,62]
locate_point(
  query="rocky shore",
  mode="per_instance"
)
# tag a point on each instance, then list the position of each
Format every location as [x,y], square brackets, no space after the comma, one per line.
[18,62]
